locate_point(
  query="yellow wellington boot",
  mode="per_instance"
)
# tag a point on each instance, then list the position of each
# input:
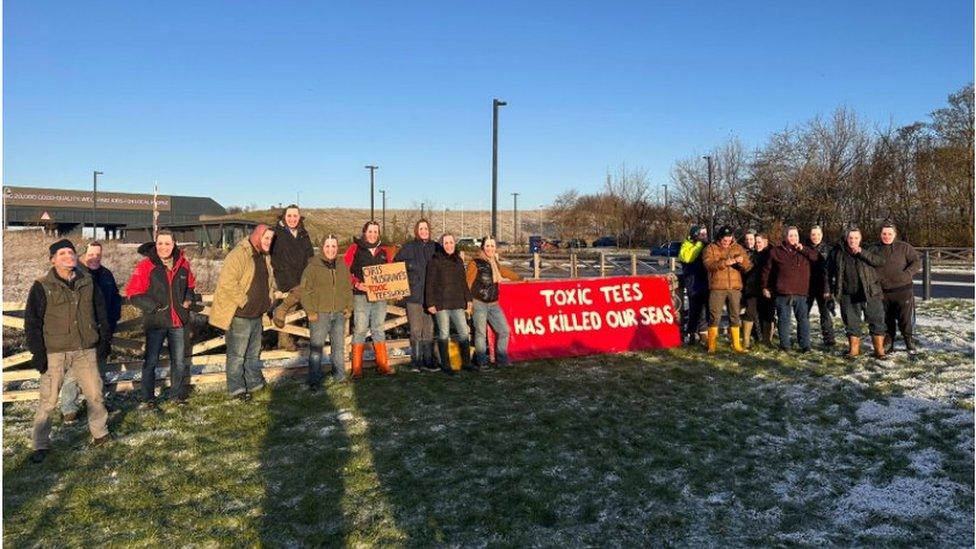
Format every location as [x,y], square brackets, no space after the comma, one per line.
[746,334]
[712,338]
[736,340]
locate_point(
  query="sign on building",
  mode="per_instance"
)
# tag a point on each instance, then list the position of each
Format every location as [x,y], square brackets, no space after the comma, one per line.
[59,198]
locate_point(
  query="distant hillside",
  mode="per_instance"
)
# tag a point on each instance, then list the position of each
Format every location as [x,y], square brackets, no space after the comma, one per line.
[346,223]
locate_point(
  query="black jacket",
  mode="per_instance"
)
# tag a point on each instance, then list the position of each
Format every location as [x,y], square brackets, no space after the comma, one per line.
[901,263]
[752,285]
[416,254]
[818,270]
[865,263]
[447,284]
[290,255]
[160,293]
[36,310]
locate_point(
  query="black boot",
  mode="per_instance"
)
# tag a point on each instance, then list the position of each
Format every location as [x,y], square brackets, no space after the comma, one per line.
[910,344]
[466,364]
[428,361]
[443,346]
[889,343]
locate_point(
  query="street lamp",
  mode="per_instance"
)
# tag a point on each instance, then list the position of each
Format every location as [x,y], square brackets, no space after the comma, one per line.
[542,220]
[515,217]
[372,209]
[95,175]
[711,210]
[382,192]
[495,103]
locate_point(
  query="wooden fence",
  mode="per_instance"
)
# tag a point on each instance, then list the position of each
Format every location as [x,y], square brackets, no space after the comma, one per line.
[17,368]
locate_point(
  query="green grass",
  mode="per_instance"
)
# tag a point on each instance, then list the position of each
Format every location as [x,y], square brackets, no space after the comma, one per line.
[662,447]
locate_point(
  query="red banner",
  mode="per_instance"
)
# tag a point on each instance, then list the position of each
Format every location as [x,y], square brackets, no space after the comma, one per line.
[558,318]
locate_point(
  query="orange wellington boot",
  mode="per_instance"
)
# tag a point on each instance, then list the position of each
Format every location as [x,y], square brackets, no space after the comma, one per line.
[382,360]
[357,360]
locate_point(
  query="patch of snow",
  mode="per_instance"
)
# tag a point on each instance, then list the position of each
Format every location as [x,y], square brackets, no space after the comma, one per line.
[903,498]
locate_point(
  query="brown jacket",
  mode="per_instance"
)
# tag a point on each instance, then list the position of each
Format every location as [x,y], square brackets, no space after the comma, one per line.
[233,282]
[720,275]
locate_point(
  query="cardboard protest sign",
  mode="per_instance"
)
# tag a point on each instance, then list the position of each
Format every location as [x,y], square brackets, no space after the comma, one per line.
[559,318]
[386,281]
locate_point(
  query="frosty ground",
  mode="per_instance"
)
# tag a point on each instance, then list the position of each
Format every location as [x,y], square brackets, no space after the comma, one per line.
[660,447]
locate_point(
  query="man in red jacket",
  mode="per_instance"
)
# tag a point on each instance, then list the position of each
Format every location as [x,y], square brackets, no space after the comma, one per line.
[787,277]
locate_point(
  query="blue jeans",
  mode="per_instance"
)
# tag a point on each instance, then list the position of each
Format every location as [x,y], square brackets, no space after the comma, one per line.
[797,305]
[179,371]
[368,316]
[446,317]
[334,326]
[70,392]
[484,314]
[244,355]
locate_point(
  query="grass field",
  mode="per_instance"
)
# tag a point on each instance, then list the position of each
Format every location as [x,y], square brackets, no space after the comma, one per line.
[658,447]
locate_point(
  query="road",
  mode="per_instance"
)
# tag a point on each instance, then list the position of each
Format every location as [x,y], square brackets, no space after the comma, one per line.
[949,285]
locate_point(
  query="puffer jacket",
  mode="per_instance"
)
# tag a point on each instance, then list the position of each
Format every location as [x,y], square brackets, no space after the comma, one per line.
[720,275]
[160,292]
[416,254]
[446,286]
[233,282]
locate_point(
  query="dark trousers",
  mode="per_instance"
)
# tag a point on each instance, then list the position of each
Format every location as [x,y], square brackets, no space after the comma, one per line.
[899,307]
[697,307]
[793,305]
[179,370]
[826,318]
[854,308]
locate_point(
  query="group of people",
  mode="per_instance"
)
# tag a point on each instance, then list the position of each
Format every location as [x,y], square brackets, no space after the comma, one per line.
[72,312]
[872,284]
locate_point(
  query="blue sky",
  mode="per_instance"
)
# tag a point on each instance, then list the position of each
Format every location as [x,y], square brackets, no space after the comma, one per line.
[252,102]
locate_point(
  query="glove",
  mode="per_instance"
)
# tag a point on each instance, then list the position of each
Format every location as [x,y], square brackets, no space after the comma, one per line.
[39,362]
[104,349]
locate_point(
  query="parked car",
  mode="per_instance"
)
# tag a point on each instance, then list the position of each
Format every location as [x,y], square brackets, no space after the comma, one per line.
[669,249]
[605,242]
[468,242]
[576,243]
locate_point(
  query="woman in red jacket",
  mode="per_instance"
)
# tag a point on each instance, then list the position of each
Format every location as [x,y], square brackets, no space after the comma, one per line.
[368,315]
[162,286]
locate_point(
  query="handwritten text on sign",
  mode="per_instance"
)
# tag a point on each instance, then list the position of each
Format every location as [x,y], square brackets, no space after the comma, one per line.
[387,281]
[589,316]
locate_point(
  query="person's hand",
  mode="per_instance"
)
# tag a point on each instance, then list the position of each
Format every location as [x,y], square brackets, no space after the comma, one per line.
[730,261]
[39,362]
[312,316]
[187,303]
[827,296]
[767,293]
[856,250]
[347,314]
[432,310]
[799,246]
[360,286]
[739,259]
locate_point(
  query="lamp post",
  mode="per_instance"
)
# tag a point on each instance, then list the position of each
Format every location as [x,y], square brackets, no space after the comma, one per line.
[382,192]
[445,219]
[542,220]
[461,205]
[711,210]
[95,175]
[372,209]
[515,217]
[495,103]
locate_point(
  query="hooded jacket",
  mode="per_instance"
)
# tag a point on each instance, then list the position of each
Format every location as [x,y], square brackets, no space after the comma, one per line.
[289,255]
[160,292]
[235,279]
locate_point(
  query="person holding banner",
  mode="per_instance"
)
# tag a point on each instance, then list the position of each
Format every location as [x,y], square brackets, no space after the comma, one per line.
[416,255]
[448,298]
[368,316]
[726,261]
[483,275]
[161,286]
[327,299]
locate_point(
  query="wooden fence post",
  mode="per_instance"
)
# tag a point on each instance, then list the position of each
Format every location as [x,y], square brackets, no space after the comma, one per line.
[535,265]
[633,263]
[603,265]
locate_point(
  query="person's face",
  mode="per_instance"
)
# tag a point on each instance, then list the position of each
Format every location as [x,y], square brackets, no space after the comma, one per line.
[490,248]
[93,257]
[750,240]
[761,243]
[816,236]
[266,239]
[887,235]
[448,244]
[64,259]
[372,234]
[292,217]
[164,246]
[330,249]
[703,235]
[423,231]
[726,241]
[853,239]
[793,237]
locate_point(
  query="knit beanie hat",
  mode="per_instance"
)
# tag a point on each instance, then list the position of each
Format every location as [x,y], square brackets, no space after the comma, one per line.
[63,243]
